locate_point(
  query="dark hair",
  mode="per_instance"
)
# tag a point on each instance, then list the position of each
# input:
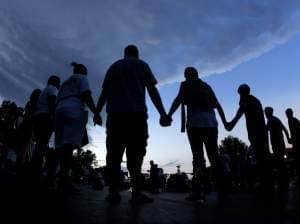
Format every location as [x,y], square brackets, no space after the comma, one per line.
[79,68]
[54,80]
[269,110]
[35,94]
[131,50]
[190,73]
[244,89]
[289,111]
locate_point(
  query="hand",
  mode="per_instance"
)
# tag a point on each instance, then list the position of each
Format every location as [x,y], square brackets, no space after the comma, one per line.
[165,120]
[228,126]
[97,120]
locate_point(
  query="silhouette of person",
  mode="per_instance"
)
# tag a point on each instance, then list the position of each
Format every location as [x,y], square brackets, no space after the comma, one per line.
[26,131]
[44,122]
[201,124]
[251,107]
[154,177]
[123,91]
[71,118]
[294,126]
[276,129]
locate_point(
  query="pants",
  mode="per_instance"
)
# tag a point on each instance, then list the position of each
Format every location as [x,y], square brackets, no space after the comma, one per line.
[43,128]
[198,137]
[259,144]
[126,131]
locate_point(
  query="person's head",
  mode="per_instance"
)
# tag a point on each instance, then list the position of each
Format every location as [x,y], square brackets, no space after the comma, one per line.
[190,73]
[151,162]
[244,90]
[79,68]
[131,51]
[35,94]
[269,112]
[289,113]
[54,81]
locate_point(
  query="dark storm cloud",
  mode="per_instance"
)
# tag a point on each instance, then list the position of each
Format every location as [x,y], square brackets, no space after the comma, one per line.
[39,37]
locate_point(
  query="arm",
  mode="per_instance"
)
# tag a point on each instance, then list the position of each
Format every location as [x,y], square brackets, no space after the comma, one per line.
[176,103]
[101,101]
[86,97]
[156,99]
[221,113]
[236,118]
[286,133]
[51,104]
[165,120]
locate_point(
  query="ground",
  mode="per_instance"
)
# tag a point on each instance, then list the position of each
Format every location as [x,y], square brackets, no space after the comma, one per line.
[89,207]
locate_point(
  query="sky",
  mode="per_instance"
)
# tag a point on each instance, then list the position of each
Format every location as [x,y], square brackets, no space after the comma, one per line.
[230,42]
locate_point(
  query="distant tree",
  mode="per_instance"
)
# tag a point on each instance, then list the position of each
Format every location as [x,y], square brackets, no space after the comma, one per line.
[233,146]
[82,159]
[237,151]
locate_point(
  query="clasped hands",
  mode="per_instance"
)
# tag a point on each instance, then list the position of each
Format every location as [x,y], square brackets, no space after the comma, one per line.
[165,120]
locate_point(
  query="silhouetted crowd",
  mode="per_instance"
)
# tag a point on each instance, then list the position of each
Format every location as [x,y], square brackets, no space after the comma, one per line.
[62,108]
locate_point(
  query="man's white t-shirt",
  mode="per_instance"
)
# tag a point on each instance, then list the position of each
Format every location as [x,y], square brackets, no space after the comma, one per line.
[43,101]
[69,97]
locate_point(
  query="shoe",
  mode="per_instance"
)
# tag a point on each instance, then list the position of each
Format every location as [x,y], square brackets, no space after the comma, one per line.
[141,199]
[113,198]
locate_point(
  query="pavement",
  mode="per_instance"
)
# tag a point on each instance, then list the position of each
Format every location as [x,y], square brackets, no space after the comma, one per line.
[90,207]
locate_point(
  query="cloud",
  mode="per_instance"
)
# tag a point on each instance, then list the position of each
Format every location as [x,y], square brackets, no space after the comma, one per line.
[38,38]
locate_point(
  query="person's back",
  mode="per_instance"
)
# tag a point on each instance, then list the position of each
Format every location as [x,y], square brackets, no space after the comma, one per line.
[126,82]
[200,101]
[276,131]
[294,125]
[254,115]
[69,96]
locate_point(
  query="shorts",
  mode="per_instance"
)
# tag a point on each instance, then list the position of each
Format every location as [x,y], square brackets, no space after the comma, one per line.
[126,130]
[69,131]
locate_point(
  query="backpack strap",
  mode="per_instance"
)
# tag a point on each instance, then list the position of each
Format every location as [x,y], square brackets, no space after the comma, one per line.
[183,118]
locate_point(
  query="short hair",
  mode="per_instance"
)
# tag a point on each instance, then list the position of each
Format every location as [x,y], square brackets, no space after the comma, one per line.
[131,50]
[269,110]
[289,111]
[190,73]
[35,94]
[79,68]
[244,89]
[54,80]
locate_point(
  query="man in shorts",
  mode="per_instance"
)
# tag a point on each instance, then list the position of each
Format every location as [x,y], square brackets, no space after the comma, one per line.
[124,89]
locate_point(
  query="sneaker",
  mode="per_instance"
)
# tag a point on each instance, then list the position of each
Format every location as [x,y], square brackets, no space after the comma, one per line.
[141,199]
[113,198]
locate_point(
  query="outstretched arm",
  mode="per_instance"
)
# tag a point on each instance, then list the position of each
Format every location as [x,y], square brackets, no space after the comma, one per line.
[101,101]
[156,99]
[165,120]
[236,118]
[222,114]
[176,103]
[86,97]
